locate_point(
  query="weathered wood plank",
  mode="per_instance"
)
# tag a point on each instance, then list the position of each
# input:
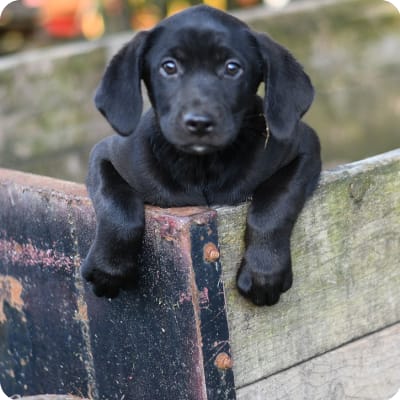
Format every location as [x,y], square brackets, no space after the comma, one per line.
[42,346]
[167,338]
[346,262]
[345,248]
[366,369]
[162,339]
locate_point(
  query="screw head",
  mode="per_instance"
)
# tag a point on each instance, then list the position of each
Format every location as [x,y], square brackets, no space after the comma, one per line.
[223,361]
[211,253]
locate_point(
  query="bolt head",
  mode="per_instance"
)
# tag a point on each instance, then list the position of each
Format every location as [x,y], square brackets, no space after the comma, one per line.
[211,253]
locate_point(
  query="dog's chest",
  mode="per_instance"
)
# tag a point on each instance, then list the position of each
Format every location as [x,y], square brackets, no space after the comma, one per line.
[196,185]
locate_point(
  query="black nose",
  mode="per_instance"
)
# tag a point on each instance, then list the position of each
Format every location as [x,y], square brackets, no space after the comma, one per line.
[198,124]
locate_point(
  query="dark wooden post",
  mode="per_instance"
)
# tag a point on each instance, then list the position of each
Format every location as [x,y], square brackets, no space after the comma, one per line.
[166,339]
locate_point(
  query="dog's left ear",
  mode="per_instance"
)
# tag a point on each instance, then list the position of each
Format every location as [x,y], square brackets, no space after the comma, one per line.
[119,97]
[288,90]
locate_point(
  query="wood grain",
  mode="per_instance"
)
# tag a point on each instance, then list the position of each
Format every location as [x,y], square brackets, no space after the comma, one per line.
[345,248]
[368,369]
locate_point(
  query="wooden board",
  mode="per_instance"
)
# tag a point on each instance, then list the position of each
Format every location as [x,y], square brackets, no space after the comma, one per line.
[366,369]
[165,339]
[346,259]
[347,276]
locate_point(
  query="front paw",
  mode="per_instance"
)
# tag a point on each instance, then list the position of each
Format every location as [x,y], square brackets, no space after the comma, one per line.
[107,279]
[262,279]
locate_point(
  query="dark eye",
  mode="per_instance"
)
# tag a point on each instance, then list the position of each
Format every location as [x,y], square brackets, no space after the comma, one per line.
[169,67]
[232,69]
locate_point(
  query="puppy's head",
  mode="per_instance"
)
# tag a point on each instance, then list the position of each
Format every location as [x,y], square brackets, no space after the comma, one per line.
[202,68]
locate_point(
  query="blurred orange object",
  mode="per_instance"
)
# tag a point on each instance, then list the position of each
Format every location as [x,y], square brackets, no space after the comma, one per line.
[92,24]
[145,17]
[69,18]
[246,3]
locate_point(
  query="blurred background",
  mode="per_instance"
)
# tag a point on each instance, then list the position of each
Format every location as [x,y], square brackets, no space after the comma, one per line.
[53,53]
[32,23]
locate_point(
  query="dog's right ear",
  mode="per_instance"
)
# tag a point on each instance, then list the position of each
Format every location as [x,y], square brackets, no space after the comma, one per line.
[119,97]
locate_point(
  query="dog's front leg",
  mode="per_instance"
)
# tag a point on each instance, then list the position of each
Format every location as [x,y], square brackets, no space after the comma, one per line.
[266,269]
[110,263]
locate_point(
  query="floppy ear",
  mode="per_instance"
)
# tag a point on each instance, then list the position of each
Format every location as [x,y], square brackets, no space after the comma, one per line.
[119,97]
[288,90]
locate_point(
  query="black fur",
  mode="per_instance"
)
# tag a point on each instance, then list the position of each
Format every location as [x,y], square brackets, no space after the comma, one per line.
[202,143]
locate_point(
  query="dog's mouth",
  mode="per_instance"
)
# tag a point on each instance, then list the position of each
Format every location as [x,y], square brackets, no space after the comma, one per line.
[199,149]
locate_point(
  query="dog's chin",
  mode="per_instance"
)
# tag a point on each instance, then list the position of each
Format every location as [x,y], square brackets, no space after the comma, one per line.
[198,149]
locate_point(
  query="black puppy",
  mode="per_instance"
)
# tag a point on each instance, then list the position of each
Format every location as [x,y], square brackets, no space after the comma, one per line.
[209,139]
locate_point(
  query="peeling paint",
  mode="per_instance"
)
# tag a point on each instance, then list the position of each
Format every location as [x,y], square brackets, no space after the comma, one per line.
[169,229]
[204,300]
[10,292]
[27,254]
[184,297]
[82,312]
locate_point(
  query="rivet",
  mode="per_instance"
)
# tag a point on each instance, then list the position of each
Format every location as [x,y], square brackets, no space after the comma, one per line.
[211,253]
[223,361]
